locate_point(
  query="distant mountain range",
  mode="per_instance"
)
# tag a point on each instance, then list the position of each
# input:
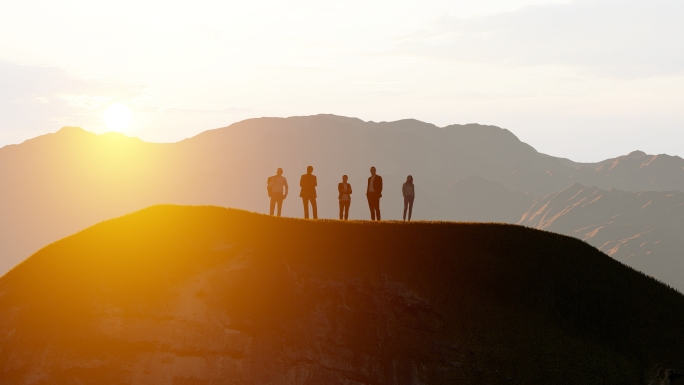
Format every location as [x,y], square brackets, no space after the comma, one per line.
[57,184]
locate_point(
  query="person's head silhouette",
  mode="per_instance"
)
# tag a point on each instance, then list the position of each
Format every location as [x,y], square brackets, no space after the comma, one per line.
[309,170]
[409,179]
[372,170]
[280,172]
[344,178]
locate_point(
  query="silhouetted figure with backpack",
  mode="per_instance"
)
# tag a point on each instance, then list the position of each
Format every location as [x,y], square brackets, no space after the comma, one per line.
[409,195]
[374,193]
[308,184]
[275,186]
[345,191]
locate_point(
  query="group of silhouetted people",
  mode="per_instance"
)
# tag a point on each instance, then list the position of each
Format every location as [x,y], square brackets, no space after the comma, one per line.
[278,189]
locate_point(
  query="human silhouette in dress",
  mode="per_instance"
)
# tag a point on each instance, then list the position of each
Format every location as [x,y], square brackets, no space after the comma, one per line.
[275,186]
[308,184]
[345,191]
[409,195]
[374,193]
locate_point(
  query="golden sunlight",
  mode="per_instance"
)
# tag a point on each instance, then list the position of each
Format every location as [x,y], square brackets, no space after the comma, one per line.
[118,117]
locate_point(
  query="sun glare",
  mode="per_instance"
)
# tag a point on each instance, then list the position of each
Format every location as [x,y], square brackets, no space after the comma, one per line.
[118,117]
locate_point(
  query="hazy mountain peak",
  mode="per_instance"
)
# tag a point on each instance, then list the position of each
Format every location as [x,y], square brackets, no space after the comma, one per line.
[636,154]
[576,187]
[64,133]
[72,130]
[407,124]
[485,132]
[77,133]
[329,117]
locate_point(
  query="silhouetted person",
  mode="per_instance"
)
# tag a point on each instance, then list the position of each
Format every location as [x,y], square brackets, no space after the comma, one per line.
[409,195]
[345,190]
[308,184]
[374,193]
[275,186]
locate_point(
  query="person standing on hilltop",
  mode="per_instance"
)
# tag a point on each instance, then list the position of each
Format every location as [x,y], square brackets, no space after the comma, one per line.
[374,193]
[409,194]
[345,191]
[308,184]
[275,186]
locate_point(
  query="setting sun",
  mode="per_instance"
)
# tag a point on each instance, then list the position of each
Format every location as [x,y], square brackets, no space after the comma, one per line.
[118,117]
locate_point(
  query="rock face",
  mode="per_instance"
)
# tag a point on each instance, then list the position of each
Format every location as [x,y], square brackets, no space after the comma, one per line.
[203,295]
[346,335]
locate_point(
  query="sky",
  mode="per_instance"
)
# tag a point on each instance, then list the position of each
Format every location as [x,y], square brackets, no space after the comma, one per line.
[585,80]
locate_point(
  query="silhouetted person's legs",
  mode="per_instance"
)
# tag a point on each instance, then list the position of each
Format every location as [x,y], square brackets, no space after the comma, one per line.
[344,209]
[374,205]
[410,207]
[314,207]
[371,207]
[305,201]
[280,204]
[276,199]
[408,204]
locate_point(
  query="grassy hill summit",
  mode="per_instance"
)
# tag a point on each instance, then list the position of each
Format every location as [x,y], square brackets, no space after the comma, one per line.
[57,184]
[207,295]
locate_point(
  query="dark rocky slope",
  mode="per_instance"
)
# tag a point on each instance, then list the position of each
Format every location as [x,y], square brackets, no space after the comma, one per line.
[204,295]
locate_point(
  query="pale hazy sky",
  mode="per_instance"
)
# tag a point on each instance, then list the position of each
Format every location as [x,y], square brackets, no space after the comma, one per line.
[580,79]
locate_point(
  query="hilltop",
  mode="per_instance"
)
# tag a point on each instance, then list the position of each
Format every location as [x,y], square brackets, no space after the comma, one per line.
[206,295]
[60,183]
[57,184]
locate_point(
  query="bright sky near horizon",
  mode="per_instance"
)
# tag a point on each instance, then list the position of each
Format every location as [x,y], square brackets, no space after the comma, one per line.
[587,79]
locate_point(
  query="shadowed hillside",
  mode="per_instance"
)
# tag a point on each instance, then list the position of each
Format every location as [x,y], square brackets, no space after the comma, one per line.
[644,230]
[205,295]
